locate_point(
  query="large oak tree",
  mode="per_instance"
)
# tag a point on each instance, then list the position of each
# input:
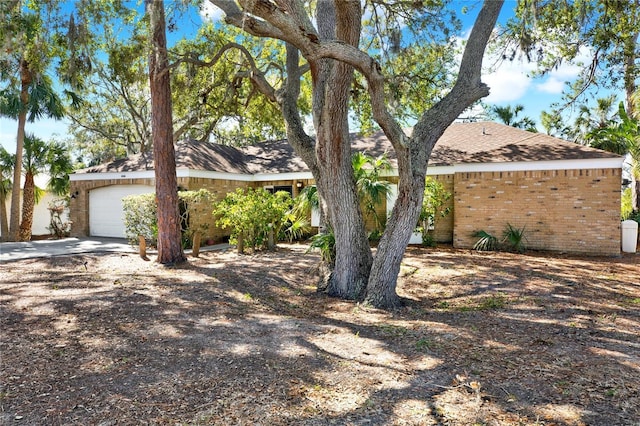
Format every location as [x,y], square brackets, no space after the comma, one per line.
[332,50]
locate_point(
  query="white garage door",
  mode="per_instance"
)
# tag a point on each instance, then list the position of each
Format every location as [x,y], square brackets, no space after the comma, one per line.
[105,209]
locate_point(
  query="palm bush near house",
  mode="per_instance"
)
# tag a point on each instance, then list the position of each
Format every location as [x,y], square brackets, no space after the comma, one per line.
[513,239]
[486,241]
[626,211]
[433,208]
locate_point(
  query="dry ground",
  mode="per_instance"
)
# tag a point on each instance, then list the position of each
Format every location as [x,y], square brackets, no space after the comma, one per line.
[485,338]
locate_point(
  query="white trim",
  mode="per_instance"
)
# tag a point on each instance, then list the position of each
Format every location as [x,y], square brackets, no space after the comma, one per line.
[261,177]
[150,174]
[145,174]
[440,170]
[521,166]
[214,175]
[595,163]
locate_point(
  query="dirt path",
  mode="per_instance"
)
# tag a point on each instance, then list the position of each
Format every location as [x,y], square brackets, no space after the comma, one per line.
[485,338]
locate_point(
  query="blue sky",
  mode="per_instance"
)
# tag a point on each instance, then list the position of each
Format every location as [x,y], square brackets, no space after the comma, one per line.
[509,82]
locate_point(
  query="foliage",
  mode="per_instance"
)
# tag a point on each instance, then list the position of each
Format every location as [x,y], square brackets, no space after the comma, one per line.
[194,210]
[306,201]
[140,218]
[622,137]
[433,208]
[140,215]
[597,37]
[509,116]
[512,238]
[372,190]
[326,243]
[626,207]
[253,215]
[57,226]
[515,238]
[486,242]
[295,227]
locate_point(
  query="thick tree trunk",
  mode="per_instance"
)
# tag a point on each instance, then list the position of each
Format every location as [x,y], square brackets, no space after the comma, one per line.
[413,154]
[331,93]
[28,205]
[169,234]
[14,225]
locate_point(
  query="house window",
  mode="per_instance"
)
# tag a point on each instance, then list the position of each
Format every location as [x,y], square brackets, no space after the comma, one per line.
[278,188]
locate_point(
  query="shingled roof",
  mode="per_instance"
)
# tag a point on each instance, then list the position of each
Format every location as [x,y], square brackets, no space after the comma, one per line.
[461,143]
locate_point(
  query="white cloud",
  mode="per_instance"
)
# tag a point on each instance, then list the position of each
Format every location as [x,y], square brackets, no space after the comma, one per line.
[209,12]
[551,85]
[508,81]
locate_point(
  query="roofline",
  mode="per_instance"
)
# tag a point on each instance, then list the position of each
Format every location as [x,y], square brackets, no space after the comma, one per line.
[592,163]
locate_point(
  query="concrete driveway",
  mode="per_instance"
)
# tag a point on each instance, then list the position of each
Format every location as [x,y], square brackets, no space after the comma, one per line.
[47,248]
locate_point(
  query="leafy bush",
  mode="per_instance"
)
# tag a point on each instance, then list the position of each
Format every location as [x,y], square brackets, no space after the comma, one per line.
[57,226]
[253,216]
[326,243]
[140,218]
[433,208]
[626,207]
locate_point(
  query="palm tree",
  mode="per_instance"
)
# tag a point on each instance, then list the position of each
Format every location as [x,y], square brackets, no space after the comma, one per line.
[42,157]
[622,137]
[592,118]
[6,165]
[35,100]
[508,115]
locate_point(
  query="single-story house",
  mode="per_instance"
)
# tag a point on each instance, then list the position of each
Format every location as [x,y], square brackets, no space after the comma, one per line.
[566,196]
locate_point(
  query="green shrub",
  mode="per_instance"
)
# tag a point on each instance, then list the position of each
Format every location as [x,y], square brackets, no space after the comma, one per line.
[253,216]
[626,206]
[512,239]
[433,208]
[140,218]
[326,243]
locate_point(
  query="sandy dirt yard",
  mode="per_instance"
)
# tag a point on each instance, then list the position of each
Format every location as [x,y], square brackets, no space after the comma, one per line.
[483,339]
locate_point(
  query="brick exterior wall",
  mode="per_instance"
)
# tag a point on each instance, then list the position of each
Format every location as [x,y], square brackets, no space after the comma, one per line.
[575,211]
[79,205]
